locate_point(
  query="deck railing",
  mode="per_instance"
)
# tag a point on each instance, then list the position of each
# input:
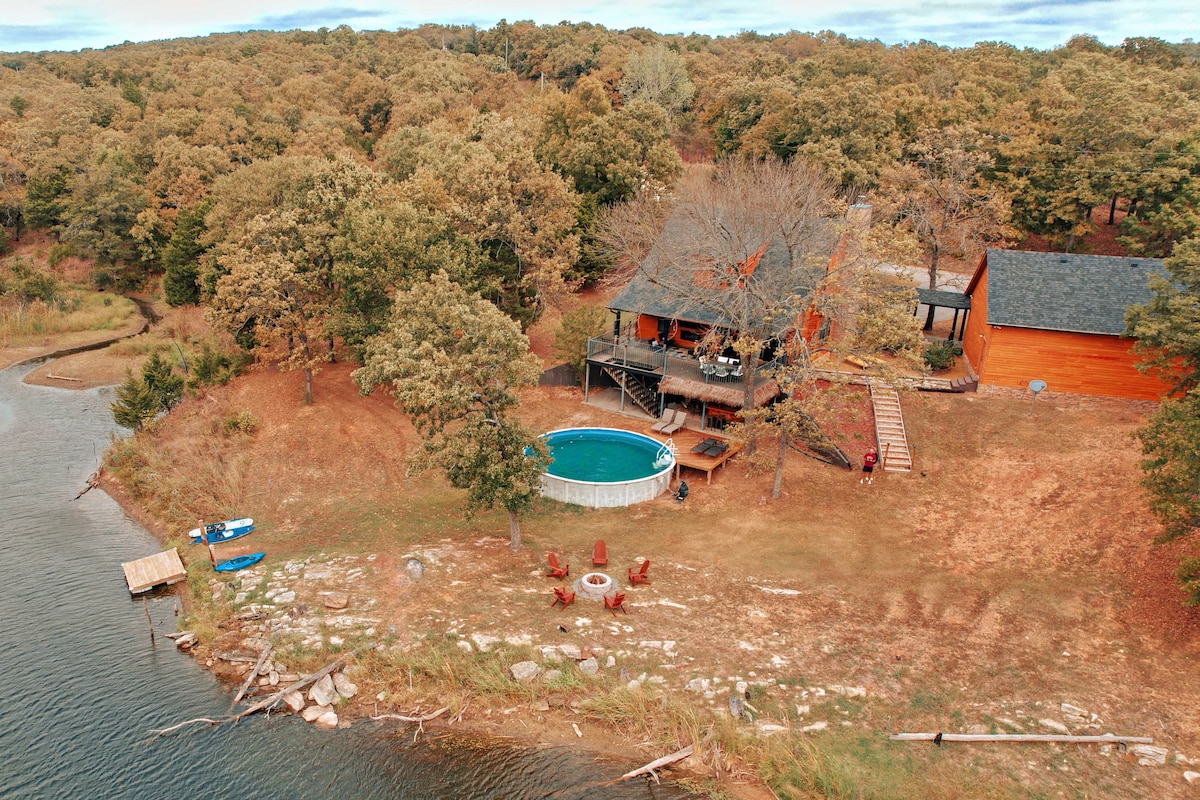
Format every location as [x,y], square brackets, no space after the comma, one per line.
[637,354]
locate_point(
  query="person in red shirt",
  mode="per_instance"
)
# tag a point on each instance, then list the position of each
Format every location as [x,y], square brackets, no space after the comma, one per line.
[868,469]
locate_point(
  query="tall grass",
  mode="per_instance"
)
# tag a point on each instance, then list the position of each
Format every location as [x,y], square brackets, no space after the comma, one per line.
[75,310]
[203,472]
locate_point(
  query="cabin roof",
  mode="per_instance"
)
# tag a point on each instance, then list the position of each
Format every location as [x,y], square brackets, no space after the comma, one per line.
[1064,291]
[642,295]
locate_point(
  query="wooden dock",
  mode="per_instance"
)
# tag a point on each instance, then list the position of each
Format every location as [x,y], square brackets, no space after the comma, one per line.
[156,570]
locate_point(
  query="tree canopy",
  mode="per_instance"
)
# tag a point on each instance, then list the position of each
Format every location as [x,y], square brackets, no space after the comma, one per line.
[454,364]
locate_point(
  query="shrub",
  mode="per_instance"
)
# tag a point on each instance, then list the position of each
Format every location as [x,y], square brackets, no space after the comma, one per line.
[135,405]
[27,283]
[578,325]
[942,355]
[211,365]
[239,422]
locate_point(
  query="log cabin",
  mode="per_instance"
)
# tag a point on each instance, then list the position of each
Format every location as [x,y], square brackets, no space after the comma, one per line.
[660,349]
[1059,318]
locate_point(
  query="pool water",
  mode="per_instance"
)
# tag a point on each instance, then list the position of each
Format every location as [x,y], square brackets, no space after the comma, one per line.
[603,455]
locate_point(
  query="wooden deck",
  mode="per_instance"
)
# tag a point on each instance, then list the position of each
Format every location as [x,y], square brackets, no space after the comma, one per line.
[685,439]
[161,568]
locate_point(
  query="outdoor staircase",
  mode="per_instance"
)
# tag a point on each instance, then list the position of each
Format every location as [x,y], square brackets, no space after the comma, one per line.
[645,397]
[894,455]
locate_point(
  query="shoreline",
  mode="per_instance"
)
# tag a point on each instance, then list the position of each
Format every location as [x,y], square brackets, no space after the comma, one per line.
[520,726]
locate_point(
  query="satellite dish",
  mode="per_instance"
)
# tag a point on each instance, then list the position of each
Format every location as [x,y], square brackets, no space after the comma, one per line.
[1035,386]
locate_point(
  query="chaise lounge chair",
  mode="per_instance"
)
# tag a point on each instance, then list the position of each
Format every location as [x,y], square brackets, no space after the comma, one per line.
[665,421]
[680,418]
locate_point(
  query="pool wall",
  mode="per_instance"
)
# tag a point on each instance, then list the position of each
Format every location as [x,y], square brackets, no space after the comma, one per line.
[601,494]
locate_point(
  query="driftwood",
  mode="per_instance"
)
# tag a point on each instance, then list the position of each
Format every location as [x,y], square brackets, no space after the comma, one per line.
[52,376]
[162,731]
[92,482]
[274,699]
[402,718]
[312,677]
[262,659]
[1016,737]
[648,769]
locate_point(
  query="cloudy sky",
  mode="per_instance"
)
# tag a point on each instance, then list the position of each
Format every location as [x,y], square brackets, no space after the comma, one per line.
[1043,24]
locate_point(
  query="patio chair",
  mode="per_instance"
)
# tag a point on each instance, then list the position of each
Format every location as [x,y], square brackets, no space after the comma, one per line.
[599,554]
[563,595]
[704,445]
[557,570]
[680,418]
[666,419]
[640,576]
[715,449]
[614,601]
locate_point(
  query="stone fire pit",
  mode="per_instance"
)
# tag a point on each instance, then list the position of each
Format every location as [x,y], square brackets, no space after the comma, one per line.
[594,586]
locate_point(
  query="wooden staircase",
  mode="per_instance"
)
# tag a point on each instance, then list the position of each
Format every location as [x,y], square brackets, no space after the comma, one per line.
[894,455]
[644,397]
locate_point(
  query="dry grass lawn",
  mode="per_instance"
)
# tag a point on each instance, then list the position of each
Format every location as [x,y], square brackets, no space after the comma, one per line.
[1012,572]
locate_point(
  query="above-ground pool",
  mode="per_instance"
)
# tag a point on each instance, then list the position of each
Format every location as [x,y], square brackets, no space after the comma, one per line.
[605,467]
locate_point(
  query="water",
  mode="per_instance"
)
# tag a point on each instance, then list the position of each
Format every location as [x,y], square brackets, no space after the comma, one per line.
[601,455]
[81,685]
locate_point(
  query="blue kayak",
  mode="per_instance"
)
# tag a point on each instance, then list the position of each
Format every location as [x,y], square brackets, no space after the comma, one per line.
[239,562]
[227,535]
[216,527]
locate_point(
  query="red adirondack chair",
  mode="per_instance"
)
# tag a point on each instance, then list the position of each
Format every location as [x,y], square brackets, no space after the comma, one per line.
[557,571]
[614,601]
[640,576]
[600,554]
[563,595]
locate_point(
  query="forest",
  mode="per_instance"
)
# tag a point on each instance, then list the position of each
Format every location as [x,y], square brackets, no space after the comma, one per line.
[346,164]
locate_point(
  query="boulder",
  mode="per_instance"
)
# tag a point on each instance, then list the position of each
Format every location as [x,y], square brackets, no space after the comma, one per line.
[525,671]
[1191,777]
[589,666]
[327,720]
[335,600]
[1054,725]
[1148,755]
[483,642]
[569,651]
[1074,714]
[323,692]
[344,686]
[551,675]
[312,713]
[294,701]
[816,726]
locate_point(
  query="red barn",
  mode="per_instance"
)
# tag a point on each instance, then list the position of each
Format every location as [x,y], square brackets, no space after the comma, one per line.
[1059,318]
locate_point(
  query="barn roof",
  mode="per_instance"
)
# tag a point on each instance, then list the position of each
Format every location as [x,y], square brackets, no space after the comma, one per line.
[1064,291]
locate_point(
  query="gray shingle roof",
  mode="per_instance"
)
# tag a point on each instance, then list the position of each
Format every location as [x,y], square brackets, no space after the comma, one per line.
[1065,292]
[644,296]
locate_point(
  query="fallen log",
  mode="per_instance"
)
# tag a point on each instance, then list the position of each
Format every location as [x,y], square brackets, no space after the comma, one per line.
[54,377]
[648,769]
[162,731]
[402,718]
[262,658]
[1017,737]
[679,755]
[312,677]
